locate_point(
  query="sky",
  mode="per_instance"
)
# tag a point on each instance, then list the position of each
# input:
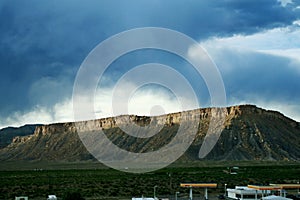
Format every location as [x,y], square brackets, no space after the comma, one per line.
[255,44]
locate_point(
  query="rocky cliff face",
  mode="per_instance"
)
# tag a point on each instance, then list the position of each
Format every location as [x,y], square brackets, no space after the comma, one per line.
[7,134]
[249,133]
[252,133]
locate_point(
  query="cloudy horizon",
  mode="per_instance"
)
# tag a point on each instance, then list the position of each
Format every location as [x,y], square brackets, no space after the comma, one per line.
[255,45]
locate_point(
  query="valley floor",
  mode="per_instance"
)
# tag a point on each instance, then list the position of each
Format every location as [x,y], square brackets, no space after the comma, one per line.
[94,181]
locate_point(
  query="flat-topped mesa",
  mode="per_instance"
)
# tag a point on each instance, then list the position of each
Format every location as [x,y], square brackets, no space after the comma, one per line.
[249,133]
[113,122]
[54,129]
[166,120]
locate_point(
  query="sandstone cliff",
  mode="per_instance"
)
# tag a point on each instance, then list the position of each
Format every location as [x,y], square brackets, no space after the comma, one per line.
[249,133]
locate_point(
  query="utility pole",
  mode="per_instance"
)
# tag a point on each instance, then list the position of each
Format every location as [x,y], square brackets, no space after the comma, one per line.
[154,190]
[176,195]
[170,183]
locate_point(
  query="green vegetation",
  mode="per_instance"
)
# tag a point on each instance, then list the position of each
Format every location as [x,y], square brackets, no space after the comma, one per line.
[73,196]
[102,183]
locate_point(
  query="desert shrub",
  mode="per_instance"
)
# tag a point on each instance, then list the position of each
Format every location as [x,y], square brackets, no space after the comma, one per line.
[73,196]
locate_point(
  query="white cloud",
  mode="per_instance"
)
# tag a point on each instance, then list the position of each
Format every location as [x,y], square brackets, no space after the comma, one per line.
[35,116]
[142,102]
[278,38]
[292,54]
[297,22]
[232,54]
[149,100]
[284,3]
[284,42]
[63,112]
[60,112]
[153,103]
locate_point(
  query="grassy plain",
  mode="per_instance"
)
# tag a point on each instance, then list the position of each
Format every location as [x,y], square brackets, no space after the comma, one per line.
[95,181]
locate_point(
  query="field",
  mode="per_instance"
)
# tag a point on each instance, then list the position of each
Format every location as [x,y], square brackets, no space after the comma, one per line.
[94,181]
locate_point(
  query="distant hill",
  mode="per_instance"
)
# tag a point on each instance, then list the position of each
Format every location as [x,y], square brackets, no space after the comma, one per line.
[7,134]
[250,133]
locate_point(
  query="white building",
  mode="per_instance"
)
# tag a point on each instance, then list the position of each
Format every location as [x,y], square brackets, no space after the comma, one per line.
[52,197]
[21,198]
[245,193]
[254,192]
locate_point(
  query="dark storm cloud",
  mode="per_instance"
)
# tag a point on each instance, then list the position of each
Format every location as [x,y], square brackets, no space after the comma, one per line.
[42,43]
[250,16]
[252,76]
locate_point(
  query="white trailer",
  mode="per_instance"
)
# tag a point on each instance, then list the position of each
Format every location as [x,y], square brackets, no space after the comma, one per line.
[52,197]
[21,198]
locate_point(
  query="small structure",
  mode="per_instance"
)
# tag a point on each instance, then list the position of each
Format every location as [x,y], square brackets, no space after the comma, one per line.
[274,197]
[265,192]
[52,197]
[21,198]
[244,193]
[232,170]
[268,189]
[288,186]
[199,185]
[283,187]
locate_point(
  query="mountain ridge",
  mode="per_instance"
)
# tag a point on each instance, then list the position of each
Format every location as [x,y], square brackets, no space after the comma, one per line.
[249,133]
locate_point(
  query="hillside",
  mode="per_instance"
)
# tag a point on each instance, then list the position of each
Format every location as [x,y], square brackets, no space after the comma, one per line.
[250,133]
[7,134]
